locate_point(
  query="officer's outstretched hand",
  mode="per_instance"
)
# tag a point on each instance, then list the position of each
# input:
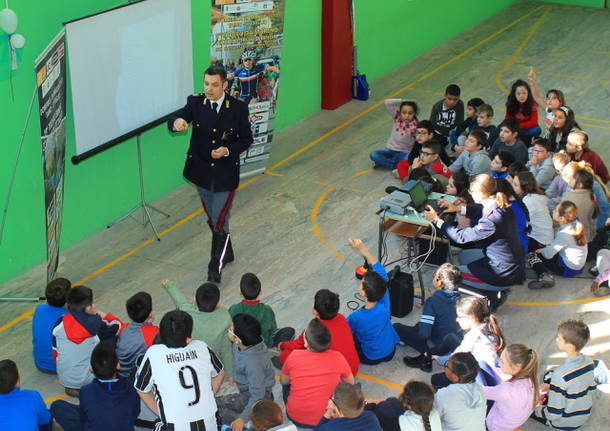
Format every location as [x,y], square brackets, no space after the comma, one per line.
[180,125]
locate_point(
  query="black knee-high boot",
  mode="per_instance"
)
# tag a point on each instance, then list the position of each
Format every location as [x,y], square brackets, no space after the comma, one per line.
[218,255]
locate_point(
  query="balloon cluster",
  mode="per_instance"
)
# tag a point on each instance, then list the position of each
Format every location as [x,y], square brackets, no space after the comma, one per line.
[8,23]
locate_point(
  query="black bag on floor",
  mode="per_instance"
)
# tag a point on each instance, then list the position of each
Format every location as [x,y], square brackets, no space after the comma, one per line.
[401,292]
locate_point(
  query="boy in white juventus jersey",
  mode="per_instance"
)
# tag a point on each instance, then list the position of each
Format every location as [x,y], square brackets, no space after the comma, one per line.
[178,378]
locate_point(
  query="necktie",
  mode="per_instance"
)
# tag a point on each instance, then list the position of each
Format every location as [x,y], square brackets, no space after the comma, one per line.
[215,107]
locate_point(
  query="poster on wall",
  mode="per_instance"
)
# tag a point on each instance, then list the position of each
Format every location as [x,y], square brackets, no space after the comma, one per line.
[246,40]
[50,69]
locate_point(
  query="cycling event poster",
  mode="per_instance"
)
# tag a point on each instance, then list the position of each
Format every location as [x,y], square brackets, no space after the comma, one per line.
[246,40]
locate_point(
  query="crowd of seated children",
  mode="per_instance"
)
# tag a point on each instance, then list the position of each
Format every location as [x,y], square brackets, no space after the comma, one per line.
[508,140]
[457,135]
[250,289]
[326,310]
[44,319]
[210,319]
[402,137]
[109,402]
[437,322]
[76,334]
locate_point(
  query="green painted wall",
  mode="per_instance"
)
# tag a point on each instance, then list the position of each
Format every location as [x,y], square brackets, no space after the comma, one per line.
[589,3]
[105,187]
[392,32]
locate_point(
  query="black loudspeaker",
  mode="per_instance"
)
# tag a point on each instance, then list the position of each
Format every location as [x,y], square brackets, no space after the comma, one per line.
[400,287]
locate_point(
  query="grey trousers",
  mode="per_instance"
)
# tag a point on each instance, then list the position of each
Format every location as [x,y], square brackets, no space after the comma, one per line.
[217,206]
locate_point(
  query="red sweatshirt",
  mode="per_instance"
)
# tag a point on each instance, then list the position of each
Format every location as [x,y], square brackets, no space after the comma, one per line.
[525,122]
[596,162]
[437,167]
[342,341]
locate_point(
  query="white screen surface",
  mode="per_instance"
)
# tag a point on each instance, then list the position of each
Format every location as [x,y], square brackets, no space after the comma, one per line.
[128,67]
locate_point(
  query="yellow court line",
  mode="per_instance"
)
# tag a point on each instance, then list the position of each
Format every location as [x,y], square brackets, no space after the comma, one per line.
[350,189]
[592,119]
[569,302]
[601,52]
[273,174]
[594,125]
[311,144]
[559,54]
[533,29]
[380,381]
[55,397]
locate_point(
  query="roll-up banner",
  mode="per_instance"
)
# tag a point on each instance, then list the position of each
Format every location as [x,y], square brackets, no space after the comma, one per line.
[246,40]
[50,69]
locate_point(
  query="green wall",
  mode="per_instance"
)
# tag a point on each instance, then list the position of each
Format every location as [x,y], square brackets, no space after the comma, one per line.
[589,3]
[392,32]
[105,187]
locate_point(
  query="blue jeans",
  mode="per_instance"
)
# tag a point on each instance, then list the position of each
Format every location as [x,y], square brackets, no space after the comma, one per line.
[532,131]
[67,415]
[388,158]
[453,138]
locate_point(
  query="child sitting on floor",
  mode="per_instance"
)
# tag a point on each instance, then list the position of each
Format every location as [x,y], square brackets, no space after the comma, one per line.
[429,159]
[326,309]
[458,135]
[521,106]
[500,164]
[210,319]
[345,411]
[371,325]
[266,415]
[22,410]
[461,405]
[109,402]
[514,399]
[76,334]
[45,317]
[569,387]
[402,137]
[420,415]
[250,288]
[447,114]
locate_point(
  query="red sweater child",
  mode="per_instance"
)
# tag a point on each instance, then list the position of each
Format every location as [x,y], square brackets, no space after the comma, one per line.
[342,341]
[596,162]
[526,122]
[437,167]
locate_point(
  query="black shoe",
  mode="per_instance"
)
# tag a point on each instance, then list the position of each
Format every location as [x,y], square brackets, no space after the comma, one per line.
[594,271]
[282,334]
[217,256]
[390,189]
[426,365]
[414,361]
[498,299]
[275,360]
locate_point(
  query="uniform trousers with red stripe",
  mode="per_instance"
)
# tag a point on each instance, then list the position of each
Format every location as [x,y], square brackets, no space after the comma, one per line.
[217,206]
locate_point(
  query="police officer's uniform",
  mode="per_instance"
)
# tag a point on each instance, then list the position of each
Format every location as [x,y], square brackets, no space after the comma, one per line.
[216,179]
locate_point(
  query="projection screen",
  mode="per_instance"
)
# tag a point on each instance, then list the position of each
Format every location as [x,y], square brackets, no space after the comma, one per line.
[130,67]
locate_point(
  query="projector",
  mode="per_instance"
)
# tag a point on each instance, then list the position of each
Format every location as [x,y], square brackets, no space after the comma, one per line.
[396,202]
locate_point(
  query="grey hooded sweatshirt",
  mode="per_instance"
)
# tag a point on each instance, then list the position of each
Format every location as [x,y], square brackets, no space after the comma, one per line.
[462,407]
[253,373]
[473,164]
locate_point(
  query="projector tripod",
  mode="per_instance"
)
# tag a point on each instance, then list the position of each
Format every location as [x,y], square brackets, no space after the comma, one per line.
[143,205]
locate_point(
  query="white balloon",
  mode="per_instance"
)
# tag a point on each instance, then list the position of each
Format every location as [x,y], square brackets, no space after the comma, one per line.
[8,20]
[17,41]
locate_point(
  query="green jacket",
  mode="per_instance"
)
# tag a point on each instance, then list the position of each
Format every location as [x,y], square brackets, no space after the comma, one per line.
[261,312]
[210,327]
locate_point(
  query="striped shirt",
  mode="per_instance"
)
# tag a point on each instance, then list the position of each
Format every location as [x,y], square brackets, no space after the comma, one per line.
[571,394]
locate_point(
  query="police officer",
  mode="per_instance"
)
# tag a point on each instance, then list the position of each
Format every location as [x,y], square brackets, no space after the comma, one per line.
[221,132]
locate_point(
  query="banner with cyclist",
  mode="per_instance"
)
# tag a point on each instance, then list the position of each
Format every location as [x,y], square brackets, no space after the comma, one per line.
[246,41]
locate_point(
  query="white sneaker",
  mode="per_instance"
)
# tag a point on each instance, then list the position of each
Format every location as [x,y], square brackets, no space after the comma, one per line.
[395,173]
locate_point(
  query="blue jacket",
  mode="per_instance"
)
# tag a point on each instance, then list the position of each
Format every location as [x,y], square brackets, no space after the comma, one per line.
[45,317]
[372,327]
[109,405]
[367,421]
[439,317]
[23,410]
[495,233]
